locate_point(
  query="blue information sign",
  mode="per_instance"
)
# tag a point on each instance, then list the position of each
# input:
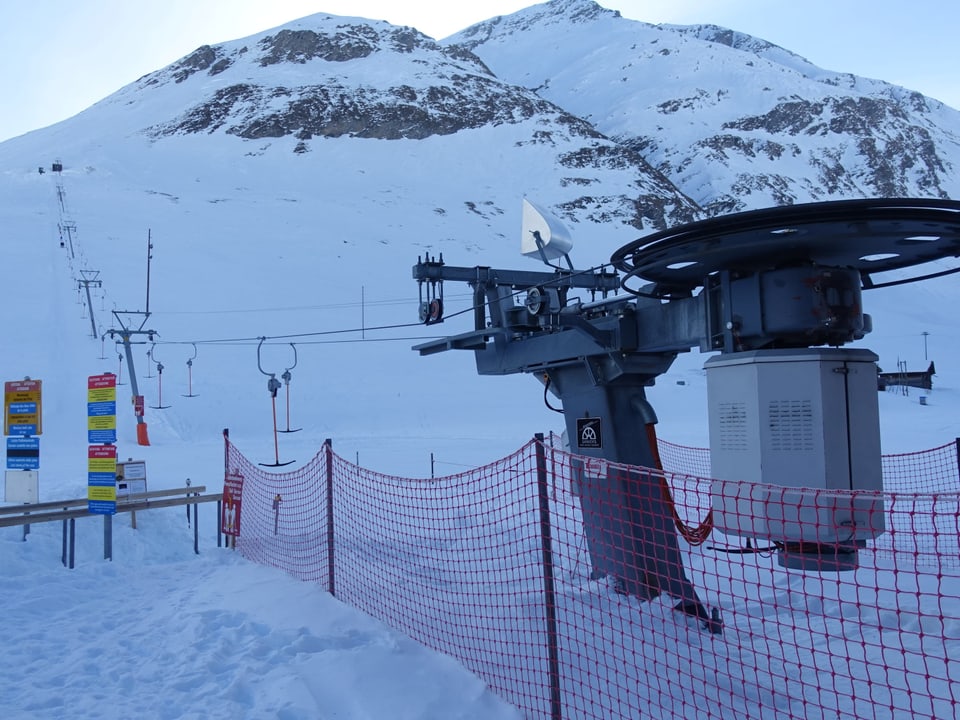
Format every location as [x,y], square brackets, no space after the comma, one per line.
[23,453]
[23,430]
[23,443]
[26,410]
[99,409]
[23,463]
[101,507]
[102,437]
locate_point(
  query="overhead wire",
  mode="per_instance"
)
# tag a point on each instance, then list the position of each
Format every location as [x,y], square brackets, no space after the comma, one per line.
[300,336]
[326,306]
[286,337]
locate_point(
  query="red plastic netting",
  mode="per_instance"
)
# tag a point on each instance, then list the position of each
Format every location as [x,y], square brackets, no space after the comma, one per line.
[927,471]
[588,628]
[922,506]
[292,536]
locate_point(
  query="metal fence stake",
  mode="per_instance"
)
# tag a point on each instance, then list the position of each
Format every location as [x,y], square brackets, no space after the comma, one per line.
[73,541]
[108,537]
[550,599]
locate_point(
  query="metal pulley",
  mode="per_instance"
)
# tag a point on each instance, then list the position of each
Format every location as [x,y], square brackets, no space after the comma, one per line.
[273,385]
[431,292]
[534,301]
[431,312]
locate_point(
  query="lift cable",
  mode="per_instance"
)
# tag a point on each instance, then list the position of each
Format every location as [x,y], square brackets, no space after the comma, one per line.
[321,333]
[326,306]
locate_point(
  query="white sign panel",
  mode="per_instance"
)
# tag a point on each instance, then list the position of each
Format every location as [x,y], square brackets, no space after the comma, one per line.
[131,478]
[22,486]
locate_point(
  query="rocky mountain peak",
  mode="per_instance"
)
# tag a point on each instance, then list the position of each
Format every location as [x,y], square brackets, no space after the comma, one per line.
[732,120]
[326,77]
[554,12]
[399,84]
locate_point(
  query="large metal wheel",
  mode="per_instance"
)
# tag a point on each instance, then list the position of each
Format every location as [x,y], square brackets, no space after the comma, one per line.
[872,236]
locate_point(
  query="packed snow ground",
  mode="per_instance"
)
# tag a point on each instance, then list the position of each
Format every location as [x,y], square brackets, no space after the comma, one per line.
[161,633]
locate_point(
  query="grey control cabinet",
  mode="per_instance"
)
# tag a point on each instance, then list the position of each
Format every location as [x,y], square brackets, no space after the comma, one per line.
[794,443]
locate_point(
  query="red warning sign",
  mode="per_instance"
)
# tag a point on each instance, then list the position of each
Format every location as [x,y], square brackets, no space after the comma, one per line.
[232,504]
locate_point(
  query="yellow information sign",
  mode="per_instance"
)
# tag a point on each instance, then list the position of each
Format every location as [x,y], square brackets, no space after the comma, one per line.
[101,394]
[102,465]
[102,492]
[101,422]
[22,409]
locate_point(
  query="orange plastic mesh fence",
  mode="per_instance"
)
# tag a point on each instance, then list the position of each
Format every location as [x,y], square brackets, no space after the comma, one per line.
[457,563]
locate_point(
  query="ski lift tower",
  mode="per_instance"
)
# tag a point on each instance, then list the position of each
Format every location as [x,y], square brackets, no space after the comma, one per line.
[776,293]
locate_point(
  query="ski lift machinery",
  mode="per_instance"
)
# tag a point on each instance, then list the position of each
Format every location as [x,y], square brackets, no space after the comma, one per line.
[776,293]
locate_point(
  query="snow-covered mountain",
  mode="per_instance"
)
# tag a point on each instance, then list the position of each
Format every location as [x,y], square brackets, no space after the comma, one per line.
[330,77]
[604,118]
[290,180]
[735,122]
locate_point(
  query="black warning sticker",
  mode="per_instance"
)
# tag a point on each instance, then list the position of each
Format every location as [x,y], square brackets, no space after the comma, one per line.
[588,433]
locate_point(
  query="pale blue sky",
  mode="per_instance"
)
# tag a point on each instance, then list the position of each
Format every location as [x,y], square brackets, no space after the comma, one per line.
[58,57]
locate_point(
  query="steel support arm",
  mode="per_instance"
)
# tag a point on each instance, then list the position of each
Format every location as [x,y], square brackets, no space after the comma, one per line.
[437,271]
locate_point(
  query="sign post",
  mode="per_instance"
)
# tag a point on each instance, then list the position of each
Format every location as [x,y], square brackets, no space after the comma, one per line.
[102,479]
[22,420]
[102,436]
[102,409]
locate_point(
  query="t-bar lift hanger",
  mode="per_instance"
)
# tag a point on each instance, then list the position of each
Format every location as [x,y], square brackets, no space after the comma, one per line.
[190,392]
[286,377]
[159,405]
[273,385]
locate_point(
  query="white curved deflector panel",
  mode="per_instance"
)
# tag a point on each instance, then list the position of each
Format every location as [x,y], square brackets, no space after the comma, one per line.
[554,236]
